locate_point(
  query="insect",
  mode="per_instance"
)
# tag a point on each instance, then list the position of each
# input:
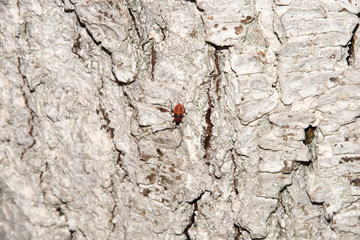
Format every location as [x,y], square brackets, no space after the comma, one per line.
[178,113]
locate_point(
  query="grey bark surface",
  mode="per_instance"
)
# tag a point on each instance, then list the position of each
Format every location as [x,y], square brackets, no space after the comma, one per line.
[269,147]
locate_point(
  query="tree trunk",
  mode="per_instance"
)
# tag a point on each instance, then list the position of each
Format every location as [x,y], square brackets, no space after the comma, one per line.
[268,147]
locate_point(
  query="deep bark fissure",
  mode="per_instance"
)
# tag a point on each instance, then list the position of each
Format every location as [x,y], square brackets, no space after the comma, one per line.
[238,234]
[83,25]
[208,121]
[209,127]
[163,29]
[216,77]
[309,142]
[239,229]
[72,233]
[194,204]
[350,59]
[309,135]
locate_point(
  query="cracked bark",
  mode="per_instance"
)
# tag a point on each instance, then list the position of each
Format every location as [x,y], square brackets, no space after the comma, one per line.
[31,112]
[194,204]
[350,59]
[117,178]
[235,181]
[153,61]
[209,124]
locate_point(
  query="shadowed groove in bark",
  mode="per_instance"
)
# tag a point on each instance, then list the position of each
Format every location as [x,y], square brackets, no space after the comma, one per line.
[87,30]
[239,230]
[208,128]
[197,7]
[238,234]
[194,203]
[134,21]
[309,134]
[350,59]
[309,138]
[209,124]
[192,220]
[216,77]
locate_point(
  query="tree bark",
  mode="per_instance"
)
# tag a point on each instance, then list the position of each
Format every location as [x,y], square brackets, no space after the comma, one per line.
[268,148]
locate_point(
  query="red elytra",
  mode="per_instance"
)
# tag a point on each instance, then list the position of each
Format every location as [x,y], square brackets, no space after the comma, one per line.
[178,113]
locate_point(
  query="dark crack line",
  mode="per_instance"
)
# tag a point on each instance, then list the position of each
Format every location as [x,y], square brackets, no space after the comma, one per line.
[73,231]
[235,182]
[135,24]
[18,6]
[31,111]
[163,29]
[279,201]
[351,58]
[240,230]
[97,43]
[83,25]
[216,77]
[194,204]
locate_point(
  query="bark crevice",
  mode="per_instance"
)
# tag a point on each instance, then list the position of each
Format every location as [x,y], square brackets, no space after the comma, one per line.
[23,88]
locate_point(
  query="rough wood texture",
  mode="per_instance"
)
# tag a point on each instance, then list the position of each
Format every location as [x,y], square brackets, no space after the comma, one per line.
[269,148]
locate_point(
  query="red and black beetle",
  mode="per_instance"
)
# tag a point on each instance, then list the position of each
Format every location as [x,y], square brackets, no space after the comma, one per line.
[178,113]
